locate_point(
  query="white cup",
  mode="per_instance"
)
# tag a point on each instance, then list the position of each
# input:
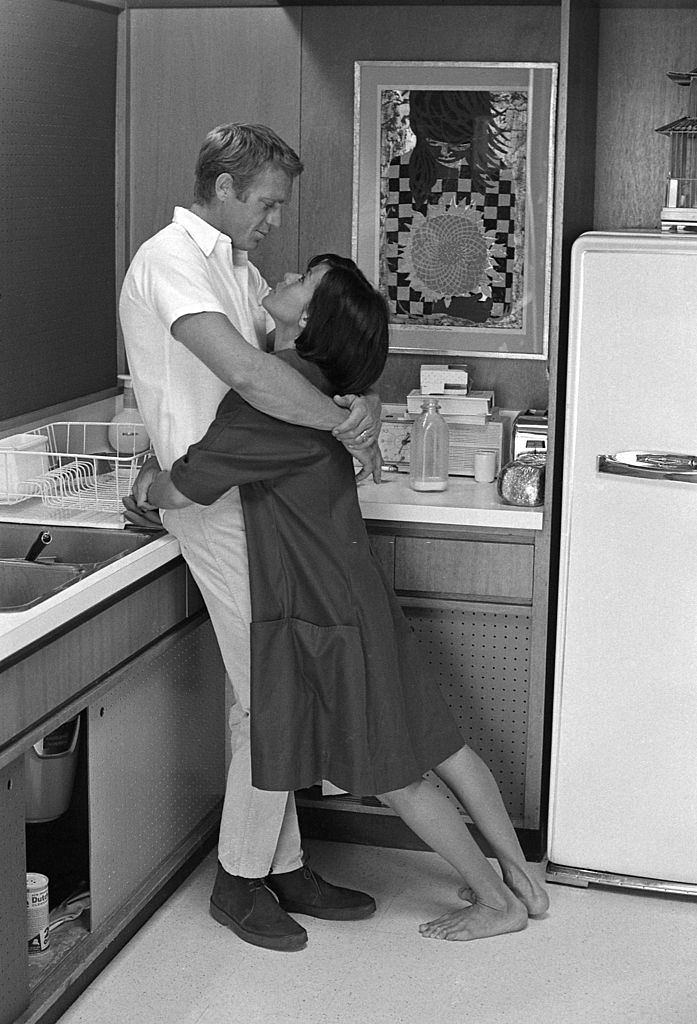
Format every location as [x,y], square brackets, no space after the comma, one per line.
[484,466]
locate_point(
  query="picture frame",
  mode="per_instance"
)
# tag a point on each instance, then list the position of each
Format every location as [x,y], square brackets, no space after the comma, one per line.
[456,231]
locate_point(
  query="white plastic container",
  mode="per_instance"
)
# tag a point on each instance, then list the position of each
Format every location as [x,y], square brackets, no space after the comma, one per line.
[126,433]
[49,773]
[23,458]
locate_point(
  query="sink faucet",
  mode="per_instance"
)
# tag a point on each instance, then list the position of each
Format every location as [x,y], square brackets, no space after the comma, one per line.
[38,546]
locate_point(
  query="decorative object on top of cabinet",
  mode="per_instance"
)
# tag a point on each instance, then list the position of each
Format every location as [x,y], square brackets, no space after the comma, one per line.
[680,210]
[522,481]
[452,201]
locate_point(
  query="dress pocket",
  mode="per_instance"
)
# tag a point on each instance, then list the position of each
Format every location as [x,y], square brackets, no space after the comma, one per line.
[308,703]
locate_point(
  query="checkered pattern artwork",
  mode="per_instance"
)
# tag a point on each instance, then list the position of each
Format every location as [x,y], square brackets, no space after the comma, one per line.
[497,207]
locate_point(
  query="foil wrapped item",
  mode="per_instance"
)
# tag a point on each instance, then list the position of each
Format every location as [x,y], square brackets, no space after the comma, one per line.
[522,481]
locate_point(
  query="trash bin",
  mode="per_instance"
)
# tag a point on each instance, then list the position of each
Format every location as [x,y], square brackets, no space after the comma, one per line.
[50,773]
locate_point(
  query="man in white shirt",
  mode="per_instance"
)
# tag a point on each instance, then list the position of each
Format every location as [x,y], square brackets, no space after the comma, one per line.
[194,327]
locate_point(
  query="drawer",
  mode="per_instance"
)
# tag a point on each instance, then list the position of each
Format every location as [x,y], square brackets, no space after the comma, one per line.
[472,569]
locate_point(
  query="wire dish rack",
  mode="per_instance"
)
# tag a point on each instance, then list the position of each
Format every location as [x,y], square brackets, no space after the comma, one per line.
[66,465]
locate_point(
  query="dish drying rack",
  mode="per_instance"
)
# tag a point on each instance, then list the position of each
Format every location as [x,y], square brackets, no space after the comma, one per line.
[65,474]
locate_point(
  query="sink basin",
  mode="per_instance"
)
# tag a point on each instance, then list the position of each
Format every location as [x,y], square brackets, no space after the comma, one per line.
[73,545]
[72,553]
[23,584]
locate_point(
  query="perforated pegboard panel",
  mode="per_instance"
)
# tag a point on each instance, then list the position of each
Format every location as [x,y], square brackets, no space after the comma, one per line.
[481,660]
[156,762]
[14,984]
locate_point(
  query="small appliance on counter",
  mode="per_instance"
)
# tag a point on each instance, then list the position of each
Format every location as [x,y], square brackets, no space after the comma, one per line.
[530,430]
[464,440]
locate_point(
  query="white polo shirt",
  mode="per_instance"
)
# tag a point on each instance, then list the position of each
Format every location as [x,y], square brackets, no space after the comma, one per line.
[188,267]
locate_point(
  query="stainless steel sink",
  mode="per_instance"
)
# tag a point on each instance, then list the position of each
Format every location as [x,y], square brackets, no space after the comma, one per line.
[75,545]
[24,584]
[71,553]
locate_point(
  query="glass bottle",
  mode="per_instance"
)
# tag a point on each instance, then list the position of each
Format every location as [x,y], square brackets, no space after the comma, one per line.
[428,454]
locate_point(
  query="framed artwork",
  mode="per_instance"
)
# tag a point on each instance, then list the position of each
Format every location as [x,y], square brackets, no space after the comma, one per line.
[452,202]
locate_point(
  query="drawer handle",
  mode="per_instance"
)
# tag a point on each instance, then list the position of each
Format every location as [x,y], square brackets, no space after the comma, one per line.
[650,465]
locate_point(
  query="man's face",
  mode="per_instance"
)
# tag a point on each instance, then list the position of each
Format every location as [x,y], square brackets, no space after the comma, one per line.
[249,218]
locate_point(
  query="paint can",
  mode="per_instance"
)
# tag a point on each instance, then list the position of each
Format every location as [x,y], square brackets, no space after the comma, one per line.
[37,912]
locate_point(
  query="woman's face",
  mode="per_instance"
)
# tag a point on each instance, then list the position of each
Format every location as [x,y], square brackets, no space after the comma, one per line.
[449,154]
[291,296]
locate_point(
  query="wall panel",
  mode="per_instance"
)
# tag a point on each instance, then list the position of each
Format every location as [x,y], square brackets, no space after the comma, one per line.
[57,278]
[298,77]
[635,96]
[191,70]
[335,37]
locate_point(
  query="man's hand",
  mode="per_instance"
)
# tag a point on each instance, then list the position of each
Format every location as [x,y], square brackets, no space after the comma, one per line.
[371,462]
[361,428]
[138,512]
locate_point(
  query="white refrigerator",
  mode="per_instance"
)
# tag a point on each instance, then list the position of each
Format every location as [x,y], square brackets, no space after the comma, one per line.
[623,785]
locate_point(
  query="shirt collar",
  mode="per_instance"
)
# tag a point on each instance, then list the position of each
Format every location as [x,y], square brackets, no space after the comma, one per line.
[204,234]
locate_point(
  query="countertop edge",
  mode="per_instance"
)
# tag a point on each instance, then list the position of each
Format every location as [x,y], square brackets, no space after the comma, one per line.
[463,504]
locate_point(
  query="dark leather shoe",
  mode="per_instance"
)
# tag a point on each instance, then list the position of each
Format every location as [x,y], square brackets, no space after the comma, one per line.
[304,892]
[252,911]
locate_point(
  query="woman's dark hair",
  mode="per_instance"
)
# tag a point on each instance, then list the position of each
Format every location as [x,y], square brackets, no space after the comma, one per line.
[347,330]
[455,116]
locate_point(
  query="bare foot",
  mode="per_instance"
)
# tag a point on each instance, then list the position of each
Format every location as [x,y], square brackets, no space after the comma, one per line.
[478,921]
[528,890]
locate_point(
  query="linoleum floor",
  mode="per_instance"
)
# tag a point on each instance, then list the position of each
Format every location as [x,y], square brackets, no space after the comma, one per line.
[600,956]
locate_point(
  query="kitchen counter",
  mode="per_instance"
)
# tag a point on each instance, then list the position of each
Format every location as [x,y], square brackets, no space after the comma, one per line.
[464,503]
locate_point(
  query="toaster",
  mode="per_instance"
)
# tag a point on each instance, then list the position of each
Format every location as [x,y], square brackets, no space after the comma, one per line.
[530,433]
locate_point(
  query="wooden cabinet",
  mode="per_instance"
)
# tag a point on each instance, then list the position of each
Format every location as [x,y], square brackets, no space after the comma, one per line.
[466,568]
[470,597]
[146,678]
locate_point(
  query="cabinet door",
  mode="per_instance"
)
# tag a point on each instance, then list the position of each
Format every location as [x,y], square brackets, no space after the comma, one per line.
[156,762]
[466,569]
[14,974]
[480,658]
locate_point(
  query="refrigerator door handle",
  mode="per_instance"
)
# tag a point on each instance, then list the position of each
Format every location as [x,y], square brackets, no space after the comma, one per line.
[650,465]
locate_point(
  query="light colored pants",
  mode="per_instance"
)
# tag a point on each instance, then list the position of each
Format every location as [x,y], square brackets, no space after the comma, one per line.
[259,831]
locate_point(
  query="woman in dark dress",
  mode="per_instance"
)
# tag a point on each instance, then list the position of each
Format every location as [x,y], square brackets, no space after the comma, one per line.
[338,689]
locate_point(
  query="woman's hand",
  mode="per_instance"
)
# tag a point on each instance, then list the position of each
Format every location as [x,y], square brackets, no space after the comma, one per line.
[371,462]
[361,428]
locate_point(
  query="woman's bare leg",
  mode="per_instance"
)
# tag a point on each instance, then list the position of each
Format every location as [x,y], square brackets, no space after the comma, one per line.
[475,787]
[436,819]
